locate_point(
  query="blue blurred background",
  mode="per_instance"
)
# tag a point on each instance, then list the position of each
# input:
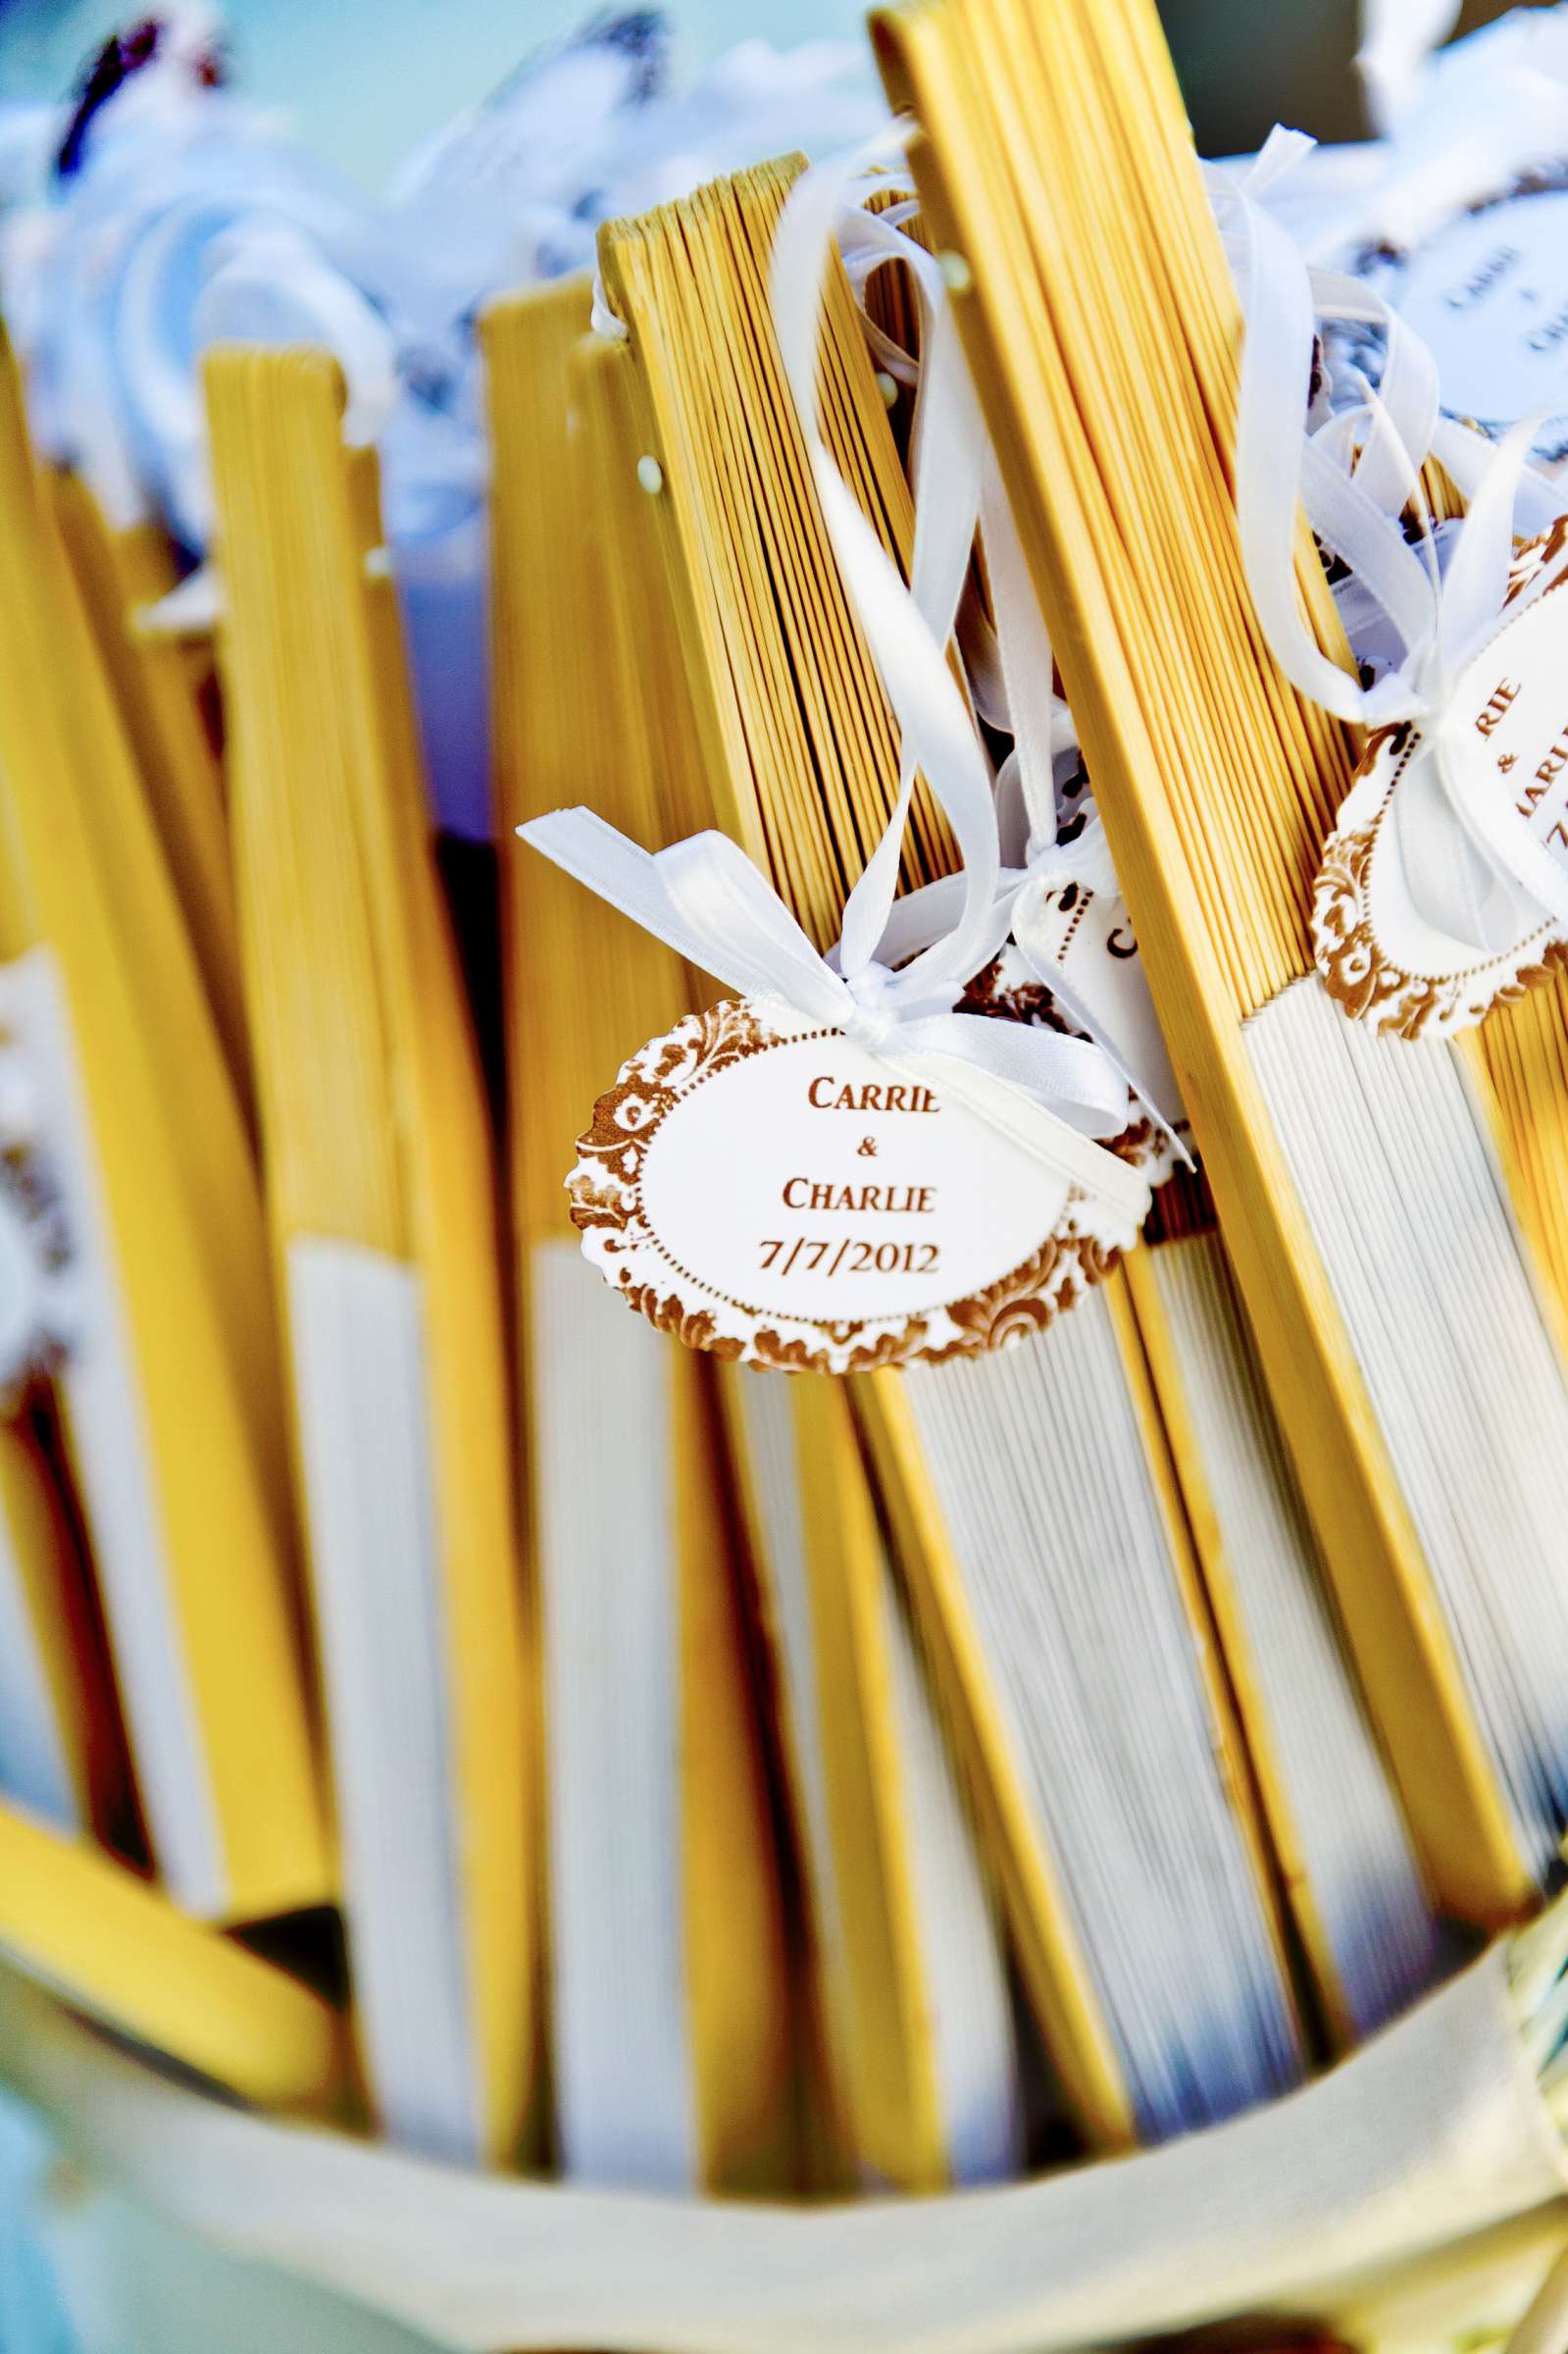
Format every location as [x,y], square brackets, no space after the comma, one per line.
[363,80]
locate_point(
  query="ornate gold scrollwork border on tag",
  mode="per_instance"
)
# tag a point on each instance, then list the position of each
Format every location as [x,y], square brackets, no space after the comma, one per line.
[1378,956]
[691,1205]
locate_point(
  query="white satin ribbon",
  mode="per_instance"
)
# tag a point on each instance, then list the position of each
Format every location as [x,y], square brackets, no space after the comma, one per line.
[907,627]
[957,485]
[704,898]
[1397,36]
[269,282]
[954,483]
[602,320]
[955,488]
[1042,727]
[1465,876]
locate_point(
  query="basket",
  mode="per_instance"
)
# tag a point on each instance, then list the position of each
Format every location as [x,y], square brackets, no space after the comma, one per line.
[1412,2197]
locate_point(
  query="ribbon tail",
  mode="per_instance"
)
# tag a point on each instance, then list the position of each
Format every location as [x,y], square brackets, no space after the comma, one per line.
[619,871]
[1477,580]
[925,916]
[1050,976]
[753,941]
[1020,1116]
[703,899]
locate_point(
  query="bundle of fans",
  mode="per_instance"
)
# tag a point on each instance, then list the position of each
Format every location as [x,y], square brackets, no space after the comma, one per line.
[898,1777]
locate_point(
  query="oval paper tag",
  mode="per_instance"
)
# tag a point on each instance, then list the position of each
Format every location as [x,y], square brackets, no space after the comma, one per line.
[1488,294]
[780,1196]
[1379,940]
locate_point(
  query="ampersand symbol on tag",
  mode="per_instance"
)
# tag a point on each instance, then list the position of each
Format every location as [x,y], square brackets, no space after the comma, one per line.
[867,1147]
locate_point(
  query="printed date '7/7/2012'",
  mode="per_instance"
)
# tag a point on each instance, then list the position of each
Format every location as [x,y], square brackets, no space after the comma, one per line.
[849,1254]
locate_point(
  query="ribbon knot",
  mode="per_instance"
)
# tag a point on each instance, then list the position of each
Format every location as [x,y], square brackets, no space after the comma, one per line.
[1050,1095]
[893,983]
[872,1017]
[1009,668]
[1085,860]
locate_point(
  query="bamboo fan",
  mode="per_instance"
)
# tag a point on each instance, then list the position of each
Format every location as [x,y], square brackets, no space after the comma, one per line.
[783,681]
[1348,1868]
[907,2089]
[1341,1849]
[382,1196]
[670,2003]
[908,1981]
[114,1947]
[162,688]
[170,1384]
[1394,1211]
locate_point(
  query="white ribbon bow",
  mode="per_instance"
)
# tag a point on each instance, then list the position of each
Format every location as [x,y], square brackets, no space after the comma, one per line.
[1353,480]
[957,488]
[1051,1095]
[704,898]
